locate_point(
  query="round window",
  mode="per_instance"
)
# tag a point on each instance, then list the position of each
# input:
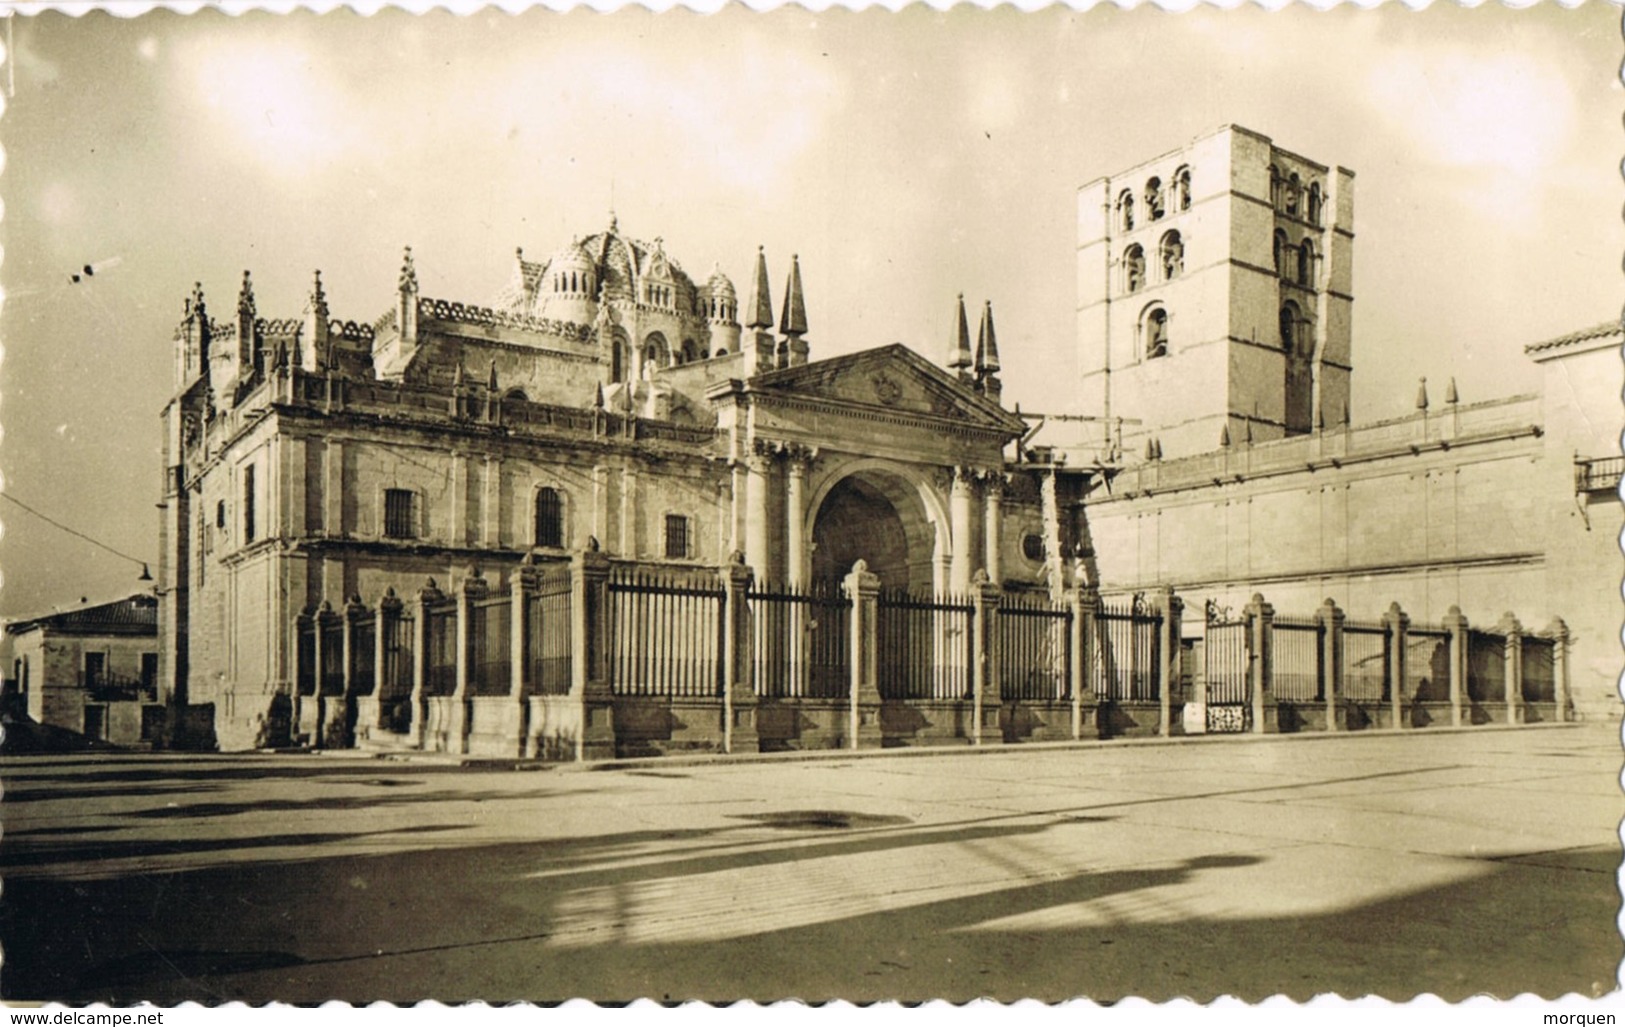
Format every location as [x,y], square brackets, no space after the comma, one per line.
[1032,547]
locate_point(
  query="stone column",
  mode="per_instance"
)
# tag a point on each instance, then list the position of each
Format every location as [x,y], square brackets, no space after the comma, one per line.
[429,595]
[1261,636]
[1456,624]
[1398,625]
[796,563]
[758,539]
[1560,669]
[985,692]
[1168,642]
[1332,674]
[959,517]
[738,690]
[1049,503]
[457,523]
[863,725]
[993,525]
[589,637]
[1514,668]
[629,514]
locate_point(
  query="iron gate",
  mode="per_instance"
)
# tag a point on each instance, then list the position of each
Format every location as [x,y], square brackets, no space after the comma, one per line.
[1226,655]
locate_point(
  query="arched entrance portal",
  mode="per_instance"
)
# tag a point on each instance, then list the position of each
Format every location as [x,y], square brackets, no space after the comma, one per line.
[877,517]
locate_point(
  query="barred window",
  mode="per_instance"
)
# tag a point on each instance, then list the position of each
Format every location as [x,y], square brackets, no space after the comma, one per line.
[398,521]
[676,537]
[549,518]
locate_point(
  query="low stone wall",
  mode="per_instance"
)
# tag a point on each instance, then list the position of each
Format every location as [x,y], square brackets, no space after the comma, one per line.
[791,723]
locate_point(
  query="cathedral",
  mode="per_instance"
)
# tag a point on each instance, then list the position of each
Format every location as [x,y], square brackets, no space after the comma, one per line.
[621,509]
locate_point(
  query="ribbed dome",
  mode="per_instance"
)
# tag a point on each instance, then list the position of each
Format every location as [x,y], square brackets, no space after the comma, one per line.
[720,285]
[569,271]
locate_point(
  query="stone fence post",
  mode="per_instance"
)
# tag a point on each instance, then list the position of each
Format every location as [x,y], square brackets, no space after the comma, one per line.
[341,732]
[1560,669]
[1514,667]
[984,597]
[1261,657]
[473,589]
[590,686]
[1456,624]
[1085,608]
[738,690]
[427,597]
[1333,684]
[1398,624]
[1168,644]
[863,725]
[522,584]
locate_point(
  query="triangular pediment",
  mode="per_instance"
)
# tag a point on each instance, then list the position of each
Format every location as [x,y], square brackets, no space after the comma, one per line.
[894,379]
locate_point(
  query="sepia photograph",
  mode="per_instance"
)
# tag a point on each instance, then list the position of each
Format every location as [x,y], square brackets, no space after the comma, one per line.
[883,505]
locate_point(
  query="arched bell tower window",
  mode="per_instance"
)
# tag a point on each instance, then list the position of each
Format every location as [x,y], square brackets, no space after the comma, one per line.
[1291,326]
[1125,210]
[1182,188]
[1275,187]
[1314,203]
[1282,249]
[1153,199]
[1172,251]
[1294,193]
[1154,331]
[549,518]
[1306,264]
[1134,268]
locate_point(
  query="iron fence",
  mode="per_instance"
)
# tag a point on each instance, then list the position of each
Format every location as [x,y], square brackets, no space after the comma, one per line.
[490,656]
[548,629]
[395,683]
[1539,669]
[801,642]
[305,657]
[923,646]
[1225,663]
[1127,651]
[1295,650]
[1486,666]
[665,634]
[332,669]
[1427,664]
[440,660]
[1365,662]
[363,653]
[1035,648]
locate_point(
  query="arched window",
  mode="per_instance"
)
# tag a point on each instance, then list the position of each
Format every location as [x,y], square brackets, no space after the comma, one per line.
[722,351]
[1306,264]
[1133,268]
[1125,210]
[1182,188]
[1154,332]
[1314,203]
[1291,320]
[1275,186]
[1294,190]
[1153,199]
[549,518]
[1173,256]
[1282,248]
[691,352]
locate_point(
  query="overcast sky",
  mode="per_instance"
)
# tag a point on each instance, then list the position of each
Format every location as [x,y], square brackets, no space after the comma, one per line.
[905,157]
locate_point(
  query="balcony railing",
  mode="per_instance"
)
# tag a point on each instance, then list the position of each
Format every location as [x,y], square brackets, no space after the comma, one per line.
[1601,474]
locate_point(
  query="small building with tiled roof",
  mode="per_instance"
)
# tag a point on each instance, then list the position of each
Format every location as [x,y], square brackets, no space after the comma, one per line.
[92,669]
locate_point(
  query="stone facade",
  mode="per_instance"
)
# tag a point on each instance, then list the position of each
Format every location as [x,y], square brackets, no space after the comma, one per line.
[606,401]
[93,670]
[1196,482]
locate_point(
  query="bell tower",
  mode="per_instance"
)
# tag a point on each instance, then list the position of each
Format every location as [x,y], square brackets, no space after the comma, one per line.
[1215,297]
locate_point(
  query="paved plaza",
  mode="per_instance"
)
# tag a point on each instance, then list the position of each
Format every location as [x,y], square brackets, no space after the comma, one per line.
[1453,862]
